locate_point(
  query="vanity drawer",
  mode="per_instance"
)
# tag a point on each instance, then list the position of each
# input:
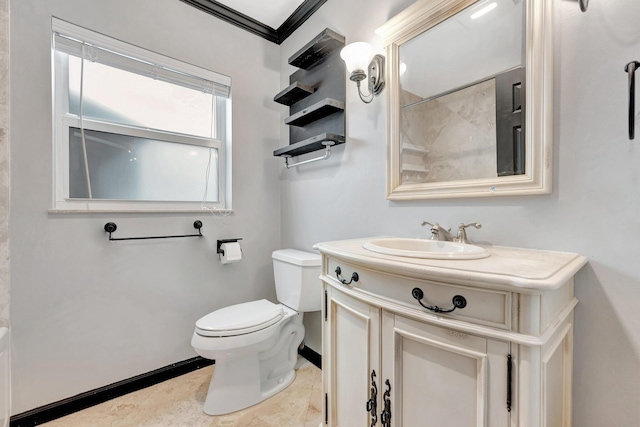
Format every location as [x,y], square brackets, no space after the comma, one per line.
[484,306]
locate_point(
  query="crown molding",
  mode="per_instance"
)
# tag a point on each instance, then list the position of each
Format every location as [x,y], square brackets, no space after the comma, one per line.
[227,14]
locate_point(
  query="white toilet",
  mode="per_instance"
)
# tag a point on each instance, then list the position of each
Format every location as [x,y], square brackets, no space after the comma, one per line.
[255,344]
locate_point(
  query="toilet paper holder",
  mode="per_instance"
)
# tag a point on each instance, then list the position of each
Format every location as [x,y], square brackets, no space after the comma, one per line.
[220,242]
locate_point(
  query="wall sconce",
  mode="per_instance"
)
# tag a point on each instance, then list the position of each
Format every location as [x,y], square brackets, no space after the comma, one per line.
[357,57]
[584,5]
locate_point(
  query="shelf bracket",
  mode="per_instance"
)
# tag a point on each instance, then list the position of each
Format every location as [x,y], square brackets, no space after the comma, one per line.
[327,154]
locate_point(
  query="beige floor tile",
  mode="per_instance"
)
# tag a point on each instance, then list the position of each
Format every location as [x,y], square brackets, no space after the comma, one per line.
[178,402]
[287,408]
[314,411]
[306,375]
[108,414]
[317,379]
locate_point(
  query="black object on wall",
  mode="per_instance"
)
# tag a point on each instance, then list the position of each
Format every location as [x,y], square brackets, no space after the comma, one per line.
[111,227]
[510,121]
[631,69]
[219,244]
[315,96]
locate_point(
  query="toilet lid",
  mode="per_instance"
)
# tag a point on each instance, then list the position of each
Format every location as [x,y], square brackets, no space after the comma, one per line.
[239,319]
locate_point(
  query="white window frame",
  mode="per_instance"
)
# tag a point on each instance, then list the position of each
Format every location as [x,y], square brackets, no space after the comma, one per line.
[64,121]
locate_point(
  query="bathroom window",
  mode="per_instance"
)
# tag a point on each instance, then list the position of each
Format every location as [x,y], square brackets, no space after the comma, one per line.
[135,130]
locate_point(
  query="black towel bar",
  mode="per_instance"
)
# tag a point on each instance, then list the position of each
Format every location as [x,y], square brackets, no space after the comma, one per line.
[110,227]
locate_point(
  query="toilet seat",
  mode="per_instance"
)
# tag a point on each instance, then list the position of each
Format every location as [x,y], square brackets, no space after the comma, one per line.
[239,319]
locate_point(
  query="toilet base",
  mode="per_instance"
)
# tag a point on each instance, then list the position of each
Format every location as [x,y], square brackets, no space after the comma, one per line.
[243,379]
[245,391]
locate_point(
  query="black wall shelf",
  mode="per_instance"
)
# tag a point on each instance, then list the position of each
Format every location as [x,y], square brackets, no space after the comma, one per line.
[322,45]
[315,96]
[321,109]
[293,93]
[308,145]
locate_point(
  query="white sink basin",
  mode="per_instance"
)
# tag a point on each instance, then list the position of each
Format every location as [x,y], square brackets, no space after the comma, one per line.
[429,249]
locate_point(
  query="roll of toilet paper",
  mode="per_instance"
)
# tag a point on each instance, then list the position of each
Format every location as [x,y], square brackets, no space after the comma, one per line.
[232,252]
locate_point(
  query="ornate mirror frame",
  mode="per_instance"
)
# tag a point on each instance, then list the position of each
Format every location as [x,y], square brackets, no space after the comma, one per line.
[425,14]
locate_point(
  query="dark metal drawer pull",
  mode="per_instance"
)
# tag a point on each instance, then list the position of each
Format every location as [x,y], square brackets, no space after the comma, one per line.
[509,380]
[458,302]
[354,277]
[372,403]
[385,415]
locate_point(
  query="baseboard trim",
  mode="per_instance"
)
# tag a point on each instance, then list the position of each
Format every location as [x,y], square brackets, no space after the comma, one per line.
[87,399]
[311,356]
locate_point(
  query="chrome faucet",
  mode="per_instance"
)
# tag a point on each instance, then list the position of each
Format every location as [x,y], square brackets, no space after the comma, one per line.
[439,233]
[442,234]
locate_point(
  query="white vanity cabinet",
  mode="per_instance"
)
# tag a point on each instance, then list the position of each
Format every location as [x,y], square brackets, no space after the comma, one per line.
[504,360]
[433,372]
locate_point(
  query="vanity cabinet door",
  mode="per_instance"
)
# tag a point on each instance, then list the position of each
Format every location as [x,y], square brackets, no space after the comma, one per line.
[352,344]
[443,377]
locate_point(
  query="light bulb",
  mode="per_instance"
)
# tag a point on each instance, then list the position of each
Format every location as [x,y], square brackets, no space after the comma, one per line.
[357,56]
[403,68]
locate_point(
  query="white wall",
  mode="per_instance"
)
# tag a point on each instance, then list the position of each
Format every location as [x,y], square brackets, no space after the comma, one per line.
[88,312]
[4,163]
[593,210]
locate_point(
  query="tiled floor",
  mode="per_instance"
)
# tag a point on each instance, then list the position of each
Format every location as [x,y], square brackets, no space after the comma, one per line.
[178,402]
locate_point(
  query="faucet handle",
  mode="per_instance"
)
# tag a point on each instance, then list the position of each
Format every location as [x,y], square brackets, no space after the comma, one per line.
[428,223]
[462,232]
[473,224]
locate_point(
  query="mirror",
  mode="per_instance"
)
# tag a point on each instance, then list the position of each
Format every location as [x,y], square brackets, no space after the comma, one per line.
[469,99]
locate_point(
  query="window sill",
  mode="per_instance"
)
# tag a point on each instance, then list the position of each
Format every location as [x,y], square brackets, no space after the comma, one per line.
[127,211]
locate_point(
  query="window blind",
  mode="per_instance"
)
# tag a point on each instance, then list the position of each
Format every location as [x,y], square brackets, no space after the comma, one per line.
[95,53]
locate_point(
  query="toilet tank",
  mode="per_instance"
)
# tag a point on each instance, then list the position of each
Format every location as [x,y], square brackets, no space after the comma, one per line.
[296,275]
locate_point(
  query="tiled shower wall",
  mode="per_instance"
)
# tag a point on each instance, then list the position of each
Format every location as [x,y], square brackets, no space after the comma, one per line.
[457,129]
[4,162]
